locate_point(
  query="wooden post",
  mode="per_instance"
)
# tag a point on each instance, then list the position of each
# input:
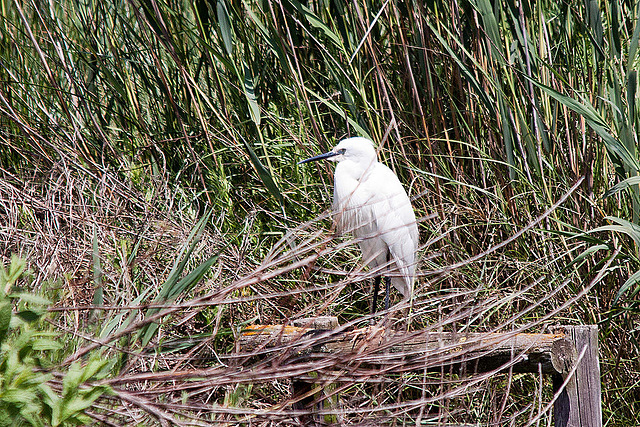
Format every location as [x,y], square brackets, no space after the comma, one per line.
[302,392]
[579,404]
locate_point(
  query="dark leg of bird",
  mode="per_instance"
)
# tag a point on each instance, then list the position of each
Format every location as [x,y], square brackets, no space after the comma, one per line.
[374,302]
[387,282]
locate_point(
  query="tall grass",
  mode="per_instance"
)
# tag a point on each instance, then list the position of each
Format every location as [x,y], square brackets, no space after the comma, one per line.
[125,122]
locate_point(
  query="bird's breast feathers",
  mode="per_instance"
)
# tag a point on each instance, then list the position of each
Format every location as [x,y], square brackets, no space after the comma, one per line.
[377,201]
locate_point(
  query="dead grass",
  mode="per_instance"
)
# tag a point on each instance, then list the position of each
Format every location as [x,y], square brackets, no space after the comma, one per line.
[193,373]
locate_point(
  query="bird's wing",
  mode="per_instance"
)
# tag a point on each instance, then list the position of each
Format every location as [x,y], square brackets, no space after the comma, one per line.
[396,223]
[377,210]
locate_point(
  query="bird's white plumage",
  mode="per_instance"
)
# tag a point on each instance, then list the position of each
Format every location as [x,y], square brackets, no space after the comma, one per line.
[370,203]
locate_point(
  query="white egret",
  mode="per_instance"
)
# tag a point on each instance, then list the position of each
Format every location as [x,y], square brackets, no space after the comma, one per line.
[370,202]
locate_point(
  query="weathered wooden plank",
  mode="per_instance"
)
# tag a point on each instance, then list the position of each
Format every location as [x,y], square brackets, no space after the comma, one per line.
[579,403]
[473,352]
[557,353]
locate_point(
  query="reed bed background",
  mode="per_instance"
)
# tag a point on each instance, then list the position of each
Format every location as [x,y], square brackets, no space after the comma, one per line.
[151,205]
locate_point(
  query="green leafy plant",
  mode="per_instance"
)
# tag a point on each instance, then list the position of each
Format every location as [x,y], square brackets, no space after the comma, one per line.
[29,394]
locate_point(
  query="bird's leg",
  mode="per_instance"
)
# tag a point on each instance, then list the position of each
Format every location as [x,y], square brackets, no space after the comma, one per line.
[374,302]
[387,282]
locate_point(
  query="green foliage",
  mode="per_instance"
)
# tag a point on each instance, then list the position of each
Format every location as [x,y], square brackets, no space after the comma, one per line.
[175,286]
[27,351]
[76,396]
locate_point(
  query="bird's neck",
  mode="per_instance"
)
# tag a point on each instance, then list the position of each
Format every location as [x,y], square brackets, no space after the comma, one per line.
[355,170]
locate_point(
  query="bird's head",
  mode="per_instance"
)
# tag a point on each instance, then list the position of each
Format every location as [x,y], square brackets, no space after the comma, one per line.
[359,150]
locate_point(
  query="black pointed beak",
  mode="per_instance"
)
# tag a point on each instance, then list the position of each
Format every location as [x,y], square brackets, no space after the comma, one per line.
[319,157]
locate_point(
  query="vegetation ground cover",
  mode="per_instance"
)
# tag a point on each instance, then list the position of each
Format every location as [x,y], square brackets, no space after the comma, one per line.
[148,157]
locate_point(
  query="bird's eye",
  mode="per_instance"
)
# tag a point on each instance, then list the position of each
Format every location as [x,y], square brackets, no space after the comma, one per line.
[342,151]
